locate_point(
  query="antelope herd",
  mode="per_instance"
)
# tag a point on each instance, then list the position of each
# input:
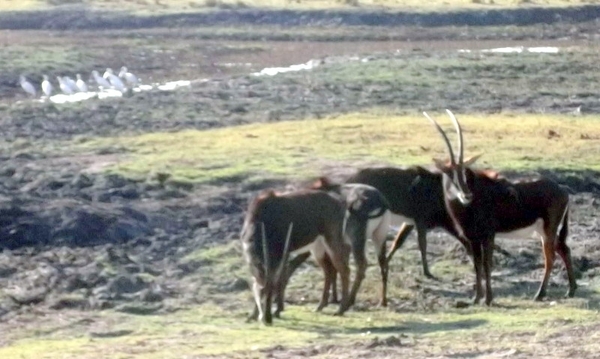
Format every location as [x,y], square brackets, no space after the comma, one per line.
[331,221]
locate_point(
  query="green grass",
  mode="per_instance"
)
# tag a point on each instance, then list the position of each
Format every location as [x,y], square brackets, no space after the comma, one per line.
[299,149]
[216,326]
[36,59]
[530,74]
[208,329]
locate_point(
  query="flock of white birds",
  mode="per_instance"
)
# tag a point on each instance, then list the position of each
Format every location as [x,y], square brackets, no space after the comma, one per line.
[68,86]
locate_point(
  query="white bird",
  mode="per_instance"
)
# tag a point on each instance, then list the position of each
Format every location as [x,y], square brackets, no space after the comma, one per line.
[69,81]
[101,81]
[81,86]
[46,86]
[107,73]
[27,86]
[130,78]
[114,80]
[64,87]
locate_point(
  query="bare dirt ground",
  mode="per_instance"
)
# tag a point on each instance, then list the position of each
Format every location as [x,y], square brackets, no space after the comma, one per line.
[72,238]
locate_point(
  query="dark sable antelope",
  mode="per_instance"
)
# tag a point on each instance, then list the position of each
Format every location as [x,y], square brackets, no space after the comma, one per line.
[416,199]
[367,216]
[279,224]
[480,209]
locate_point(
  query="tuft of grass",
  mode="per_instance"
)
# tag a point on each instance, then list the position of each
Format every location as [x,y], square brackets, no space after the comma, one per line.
[297,149]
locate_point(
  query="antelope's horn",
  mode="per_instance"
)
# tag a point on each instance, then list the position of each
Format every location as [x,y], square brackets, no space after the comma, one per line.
[267,262]
[286,253]
[460,136]
[452,159]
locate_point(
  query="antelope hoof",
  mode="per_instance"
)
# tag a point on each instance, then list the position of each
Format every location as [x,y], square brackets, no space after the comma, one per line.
[320,307]
[276,315]
[252,317]
[539,296]
[267,321]
[476,300]
[430,276]
[570,293]
[382,303]
[339,313]
[488,302]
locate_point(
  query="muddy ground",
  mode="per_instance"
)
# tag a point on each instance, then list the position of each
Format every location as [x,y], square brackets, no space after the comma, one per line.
[73,237]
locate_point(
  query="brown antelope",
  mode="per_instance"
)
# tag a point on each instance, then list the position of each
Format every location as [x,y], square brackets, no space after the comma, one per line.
[367,216]
[416,199]
[316,216]
[480,209]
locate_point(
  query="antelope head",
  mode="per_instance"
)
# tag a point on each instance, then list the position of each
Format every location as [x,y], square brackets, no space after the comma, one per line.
[455,172]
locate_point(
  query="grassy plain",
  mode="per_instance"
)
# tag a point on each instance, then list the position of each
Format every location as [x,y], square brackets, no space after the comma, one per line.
[377,120]
[424,327]
[299,149]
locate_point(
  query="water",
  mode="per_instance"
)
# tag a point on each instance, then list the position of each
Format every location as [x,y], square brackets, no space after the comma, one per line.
[111,93]
[518,50]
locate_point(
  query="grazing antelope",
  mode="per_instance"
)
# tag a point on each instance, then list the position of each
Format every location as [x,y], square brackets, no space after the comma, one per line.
[367,216]
[480,209]
[416,199]
[316,216]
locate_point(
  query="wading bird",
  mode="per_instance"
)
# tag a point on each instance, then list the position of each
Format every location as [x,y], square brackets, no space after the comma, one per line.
[100,81]
[27,86]
[46,86]
[81,86]
[64,86]
[114,80]
[69,81]
[130,78]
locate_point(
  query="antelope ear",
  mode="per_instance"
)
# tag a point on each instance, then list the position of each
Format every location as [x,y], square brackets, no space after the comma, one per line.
[491,174]
[472,160]
[320,183]
[440,164]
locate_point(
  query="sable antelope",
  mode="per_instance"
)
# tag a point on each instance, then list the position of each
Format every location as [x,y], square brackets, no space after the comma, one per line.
[480,209]
[317,216]
[367,216]
[416,199]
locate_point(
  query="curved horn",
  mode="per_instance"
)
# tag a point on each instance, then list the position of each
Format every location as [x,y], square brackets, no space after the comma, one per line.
[267,261]
[460,136]
[286,254]
[452,159]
